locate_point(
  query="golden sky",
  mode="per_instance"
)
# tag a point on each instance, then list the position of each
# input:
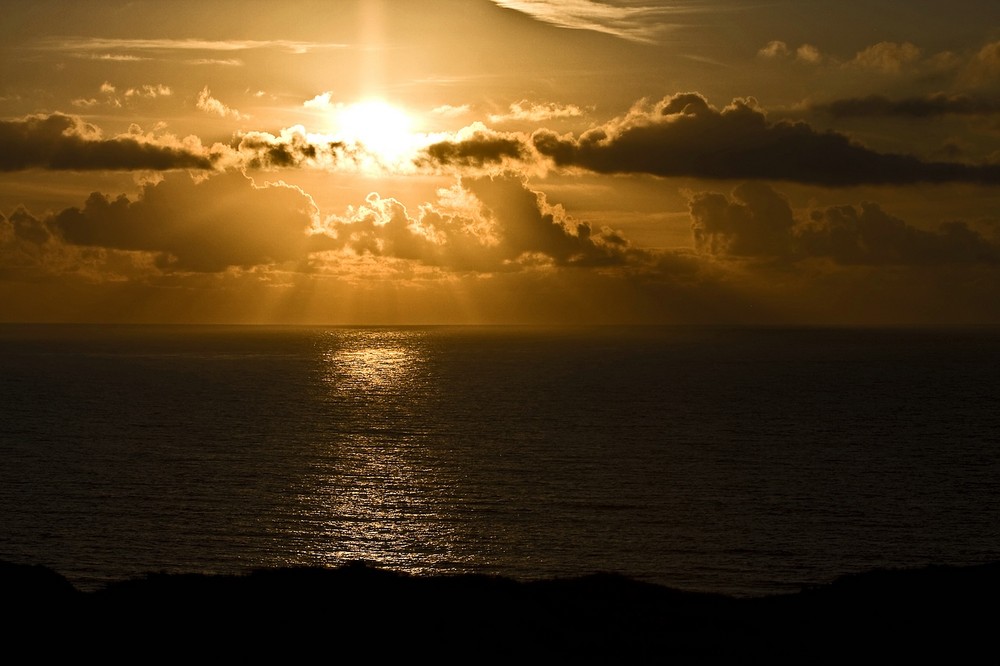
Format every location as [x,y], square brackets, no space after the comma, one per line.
[532,161]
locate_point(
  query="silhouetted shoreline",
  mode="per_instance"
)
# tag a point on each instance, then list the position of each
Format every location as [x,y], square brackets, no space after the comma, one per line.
[930,615]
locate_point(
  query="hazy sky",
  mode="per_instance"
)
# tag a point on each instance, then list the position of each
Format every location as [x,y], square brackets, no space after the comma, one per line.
[468,161]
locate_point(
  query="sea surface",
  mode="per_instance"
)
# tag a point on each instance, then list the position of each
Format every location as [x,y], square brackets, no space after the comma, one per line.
[739,460]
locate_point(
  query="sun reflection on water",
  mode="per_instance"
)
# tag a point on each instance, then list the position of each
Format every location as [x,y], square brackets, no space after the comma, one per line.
[371,359]
[375,492]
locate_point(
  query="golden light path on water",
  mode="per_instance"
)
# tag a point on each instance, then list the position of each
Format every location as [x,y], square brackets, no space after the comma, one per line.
[375,494]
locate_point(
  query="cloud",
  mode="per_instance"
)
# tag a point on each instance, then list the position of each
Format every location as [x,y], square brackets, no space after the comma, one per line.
[63,142]
[756,221]
[129,96]
[682,135]
[808,53]
[31,253]
[927,106]
[149,91]
[292,147]
[111,57]
[869,235]
[210,104]
[449,111]
[485,249]
[887,57]
[529,111]
[321,101]
[222,62]
[776,49]
[209,226]
[482,224]
[983,68]
[477,146]
[640,24]
[773,49]
[89,45]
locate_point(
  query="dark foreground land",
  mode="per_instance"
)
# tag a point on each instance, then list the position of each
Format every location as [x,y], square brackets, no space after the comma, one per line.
[932,615]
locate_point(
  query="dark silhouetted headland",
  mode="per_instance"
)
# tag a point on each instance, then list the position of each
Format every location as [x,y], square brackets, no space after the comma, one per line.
[930,615]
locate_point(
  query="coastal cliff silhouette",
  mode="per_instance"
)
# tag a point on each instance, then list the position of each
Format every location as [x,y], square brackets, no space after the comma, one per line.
[930,615]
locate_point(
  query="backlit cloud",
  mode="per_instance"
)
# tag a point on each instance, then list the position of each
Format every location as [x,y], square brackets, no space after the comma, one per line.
[808,53]
[111,45]
[224,221]
[532,112]
[210,104]
[641,24]
[773,49]
[209,226]
[450,111]
[682,135]
[777,49]
[110,96]
[64,142]
[983,68]
[320,101]
[888,57]
[482,224]
[478,146]
[292,147]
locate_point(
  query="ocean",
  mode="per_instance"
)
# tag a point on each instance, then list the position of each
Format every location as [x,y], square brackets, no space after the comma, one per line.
[745,461]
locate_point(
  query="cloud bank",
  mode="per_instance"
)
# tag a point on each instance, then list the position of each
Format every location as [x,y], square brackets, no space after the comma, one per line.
[683,135]
[757,221]
[222,222]
[62,142]
[926,106]
[481,224]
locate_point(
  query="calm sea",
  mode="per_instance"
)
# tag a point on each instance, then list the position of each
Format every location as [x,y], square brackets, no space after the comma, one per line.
[735,460]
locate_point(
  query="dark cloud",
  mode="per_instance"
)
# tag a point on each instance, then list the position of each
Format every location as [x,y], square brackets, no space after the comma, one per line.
[482,224]
[756,221]
[527,223]
[260,150]
[62,142]
[928,106]
[869,235]
[22,245]
[683,135]
[209,226]
[25,227]
[30,253]
[483,147]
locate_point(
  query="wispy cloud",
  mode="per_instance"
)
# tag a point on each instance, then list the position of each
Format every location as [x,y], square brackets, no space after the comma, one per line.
[525,110]
[640,24]
[109,48]
[451,111]
[927,106]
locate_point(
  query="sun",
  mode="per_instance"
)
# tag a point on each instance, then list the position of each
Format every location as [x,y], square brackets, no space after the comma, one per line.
[381,129]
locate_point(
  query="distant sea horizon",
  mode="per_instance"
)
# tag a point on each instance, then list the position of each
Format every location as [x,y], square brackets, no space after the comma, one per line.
[745,460]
